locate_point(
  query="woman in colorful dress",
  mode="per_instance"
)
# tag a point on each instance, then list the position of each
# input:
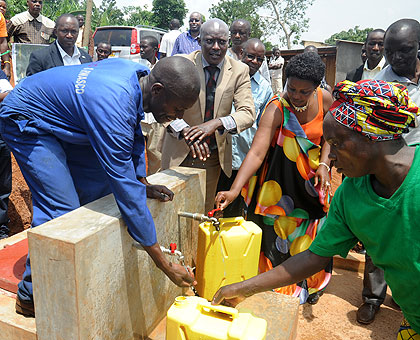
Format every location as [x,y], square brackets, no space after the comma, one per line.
[285,178]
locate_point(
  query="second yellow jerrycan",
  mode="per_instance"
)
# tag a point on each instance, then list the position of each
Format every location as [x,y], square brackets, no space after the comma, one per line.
[194,318]
[226,256]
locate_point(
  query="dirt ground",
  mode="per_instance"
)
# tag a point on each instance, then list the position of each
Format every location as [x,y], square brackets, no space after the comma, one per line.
[334,316]
[20,206]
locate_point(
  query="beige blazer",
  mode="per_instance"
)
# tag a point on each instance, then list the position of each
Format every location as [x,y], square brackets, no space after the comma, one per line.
[233,86]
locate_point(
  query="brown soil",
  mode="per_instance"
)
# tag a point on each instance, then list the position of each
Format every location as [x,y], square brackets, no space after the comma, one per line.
[20,204]
[334,316]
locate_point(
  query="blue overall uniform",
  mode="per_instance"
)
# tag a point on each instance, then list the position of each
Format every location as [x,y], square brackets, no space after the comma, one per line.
[75,132]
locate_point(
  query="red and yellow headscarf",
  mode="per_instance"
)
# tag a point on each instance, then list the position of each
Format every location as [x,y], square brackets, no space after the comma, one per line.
[375,108]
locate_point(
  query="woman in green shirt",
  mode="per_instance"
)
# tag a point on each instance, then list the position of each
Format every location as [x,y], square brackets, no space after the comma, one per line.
[375,204]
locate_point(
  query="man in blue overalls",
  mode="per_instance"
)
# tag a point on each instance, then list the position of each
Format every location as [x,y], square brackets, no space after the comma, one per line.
[75,132]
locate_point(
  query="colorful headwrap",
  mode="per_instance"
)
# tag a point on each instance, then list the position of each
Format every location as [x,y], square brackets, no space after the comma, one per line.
[375,108]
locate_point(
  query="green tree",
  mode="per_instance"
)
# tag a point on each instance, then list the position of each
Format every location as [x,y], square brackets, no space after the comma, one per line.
[288,17]
[353,34]
[54,8]
[108,14]
[230,10]
[166,10]
[14,7]
[137,16]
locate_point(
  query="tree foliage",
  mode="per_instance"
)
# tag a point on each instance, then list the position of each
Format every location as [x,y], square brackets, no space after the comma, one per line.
[230,10]
[289,17]
[353,34]
[137,16]
[285,19]
[166,10]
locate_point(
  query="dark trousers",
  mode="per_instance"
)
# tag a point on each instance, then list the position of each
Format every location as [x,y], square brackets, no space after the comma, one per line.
[374,285]
[61,177]
[5,187]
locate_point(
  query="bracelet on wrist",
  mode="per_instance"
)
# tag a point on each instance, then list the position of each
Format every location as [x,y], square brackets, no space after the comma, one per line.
[326,165]
[6,61]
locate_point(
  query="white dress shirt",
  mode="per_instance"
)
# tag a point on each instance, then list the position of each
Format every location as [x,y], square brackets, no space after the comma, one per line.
[69,60]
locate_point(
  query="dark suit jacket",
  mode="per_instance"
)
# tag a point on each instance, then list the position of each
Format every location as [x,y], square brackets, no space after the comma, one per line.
[356,74]
[49,57]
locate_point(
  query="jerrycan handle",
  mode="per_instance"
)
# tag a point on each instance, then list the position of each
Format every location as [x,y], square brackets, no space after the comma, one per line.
[227,311]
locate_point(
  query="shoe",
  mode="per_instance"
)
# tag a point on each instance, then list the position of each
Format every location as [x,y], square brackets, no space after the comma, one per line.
[366,313]
[25,308]
[314,298]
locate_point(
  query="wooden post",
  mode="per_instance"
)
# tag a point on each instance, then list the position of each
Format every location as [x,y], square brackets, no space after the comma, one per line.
[88,23]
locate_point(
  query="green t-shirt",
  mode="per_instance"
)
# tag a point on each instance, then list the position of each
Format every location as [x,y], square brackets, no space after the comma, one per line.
[389,230]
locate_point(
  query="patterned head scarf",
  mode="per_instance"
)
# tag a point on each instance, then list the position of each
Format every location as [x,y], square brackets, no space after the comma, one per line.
[375,108]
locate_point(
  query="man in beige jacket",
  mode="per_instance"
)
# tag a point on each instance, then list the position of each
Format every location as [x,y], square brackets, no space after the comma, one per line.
[202,139]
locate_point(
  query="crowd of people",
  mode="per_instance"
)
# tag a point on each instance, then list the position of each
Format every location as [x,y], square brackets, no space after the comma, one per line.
[209,98]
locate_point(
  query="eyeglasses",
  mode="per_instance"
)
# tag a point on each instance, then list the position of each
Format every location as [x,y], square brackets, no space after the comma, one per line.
[194,20]
[252,57]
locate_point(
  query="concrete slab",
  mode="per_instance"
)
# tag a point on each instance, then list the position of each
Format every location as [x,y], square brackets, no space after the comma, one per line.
[12,325]
[280,311]
[90,282]
[12,259]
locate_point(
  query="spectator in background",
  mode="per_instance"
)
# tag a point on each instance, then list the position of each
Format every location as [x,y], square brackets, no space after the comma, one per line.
[148,48]
[252,54]
[4,47]
[168,39]
[363,54]
[240,31]
[5,167]
[31,27]
[63,52]
[188,42]
[3,8]
[375,61]
[276,71]
[79,42]
[103,51]
[153,131]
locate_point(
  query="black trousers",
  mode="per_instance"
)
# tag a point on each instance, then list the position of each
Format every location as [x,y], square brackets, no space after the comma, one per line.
[5,187]
[374,285]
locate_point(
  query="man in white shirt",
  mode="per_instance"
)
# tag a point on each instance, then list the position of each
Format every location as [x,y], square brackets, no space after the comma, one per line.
[276,71]
[63,52]
[168,39]
[375,61]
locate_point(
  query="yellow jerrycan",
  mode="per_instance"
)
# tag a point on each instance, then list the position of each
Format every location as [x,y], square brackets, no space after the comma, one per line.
[194,318]
[226,256]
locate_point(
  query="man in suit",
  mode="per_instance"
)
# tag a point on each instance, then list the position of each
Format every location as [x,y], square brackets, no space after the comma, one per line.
[375,57]
[203,138]
[63,52]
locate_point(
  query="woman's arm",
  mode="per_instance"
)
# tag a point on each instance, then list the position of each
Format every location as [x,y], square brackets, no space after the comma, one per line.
[294,269]
[270,121]
[322,174]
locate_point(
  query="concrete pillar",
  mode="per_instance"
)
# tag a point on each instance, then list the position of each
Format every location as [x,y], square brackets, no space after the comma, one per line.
[90,282]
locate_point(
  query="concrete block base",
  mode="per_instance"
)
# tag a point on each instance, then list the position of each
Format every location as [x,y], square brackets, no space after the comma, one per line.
[12,325]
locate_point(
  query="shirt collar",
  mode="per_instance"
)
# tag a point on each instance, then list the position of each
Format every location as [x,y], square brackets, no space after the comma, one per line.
[30,17]
[189,33]
[257,77]
[378,67]
[76,52]
[205,63]
[393,77]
